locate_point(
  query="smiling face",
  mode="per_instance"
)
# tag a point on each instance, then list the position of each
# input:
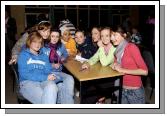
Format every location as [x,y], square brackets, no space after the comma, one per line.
[44,33]
[105,36]
[66,35]
[79,38]
[116,38]
[54,37]
[95,35]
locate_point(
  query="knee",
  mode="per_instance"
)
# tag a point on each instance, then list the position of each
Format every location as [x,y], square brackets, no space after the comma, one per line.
[68,83]
[69,79]
[52,86]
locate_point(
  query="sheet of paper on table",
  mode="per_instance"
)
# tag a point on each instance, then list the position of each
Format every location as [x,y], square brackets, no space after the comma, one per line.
[80,59]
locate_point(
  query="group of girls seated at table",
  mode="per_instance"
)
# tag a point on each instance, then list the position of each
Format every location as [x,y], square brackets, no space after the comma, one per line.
[42,50]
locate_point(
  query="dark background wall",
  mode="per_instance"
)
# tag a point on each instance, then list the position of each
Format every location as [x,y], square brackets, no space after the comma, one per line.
[82,16]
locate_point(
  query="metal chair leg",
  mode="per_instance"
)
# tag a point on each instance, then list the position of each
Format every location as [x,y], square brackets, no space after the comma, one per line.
[13,85]
[151,92]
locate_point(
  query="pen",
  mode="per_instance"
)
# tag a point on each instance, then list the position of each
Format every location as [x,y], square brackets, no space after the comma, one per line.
[82,69]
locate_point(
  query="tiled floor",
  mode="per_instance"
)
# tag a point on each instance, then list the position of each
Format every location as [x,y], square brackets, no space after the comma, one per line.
[11,95]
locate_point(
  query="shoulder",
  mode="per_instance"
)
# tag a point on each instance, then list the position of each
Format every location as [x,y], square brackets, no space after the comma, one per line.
[44,53]
[132,47]
[24,36]
[101,49]
[62,47]
[24,53]
[88,39]
[45,50]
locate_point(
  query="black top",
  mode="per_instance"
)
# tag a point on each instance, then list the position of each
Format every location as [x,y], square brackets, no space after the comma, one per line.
[87,49]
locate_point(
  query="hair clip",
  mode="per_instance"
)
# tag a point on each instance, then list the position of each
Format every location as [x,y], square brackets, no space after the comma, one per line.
[43,22]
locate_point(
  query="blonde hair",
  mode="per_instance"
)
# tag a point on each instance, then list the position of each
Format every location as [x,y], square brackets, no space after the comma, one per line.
[35,35]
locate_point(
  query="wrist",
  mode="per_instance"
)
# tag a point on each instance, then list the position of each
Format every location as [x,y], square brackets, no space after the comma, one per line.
[87,64]
[53,65]
[122,70]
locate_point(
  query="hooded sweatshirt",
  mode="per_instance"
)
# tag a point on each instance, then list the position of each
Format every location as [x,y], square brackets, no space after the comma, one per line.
[33,67]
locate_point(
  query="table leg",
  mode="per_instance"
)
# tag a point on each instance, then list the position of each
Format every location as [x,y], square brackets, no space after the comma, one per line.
[81,93]
[120,89]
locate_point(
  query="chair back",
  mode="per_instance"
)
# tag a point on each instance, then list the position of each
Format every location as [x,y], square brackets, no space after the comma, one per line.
[14,68]
[148,58]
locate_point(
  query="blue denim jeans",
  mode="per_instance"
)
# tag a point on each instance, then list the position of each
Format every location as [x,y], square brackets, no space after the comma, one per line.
[133,96]
[39,92]
[65,89]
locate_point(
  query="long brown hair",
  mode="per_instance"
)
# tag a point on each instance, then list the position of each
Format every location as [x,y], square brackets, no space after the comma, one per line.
[59,44]
[43,25]
[99,29]
[121,30]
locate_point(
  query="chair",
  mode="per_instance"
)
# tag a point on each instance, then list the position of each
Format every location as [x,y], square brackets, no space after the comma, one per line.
[148,58]
[20,98]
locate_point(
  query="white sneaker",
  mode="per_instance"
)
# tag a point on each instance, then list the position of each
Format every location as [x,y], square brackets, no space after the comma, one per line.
[77,94]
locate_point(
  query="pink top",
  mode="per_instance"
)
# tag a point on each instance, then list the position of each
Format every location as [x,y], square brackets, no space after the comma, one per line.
[132,59]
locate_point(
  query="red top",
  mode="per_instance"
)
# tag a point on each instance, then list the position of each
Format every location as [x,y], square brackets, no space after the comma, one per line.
[132,59]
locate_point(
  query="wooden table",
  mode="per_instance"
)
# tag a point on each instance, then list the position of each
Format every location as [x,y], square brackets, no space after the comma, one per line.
[95,72]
